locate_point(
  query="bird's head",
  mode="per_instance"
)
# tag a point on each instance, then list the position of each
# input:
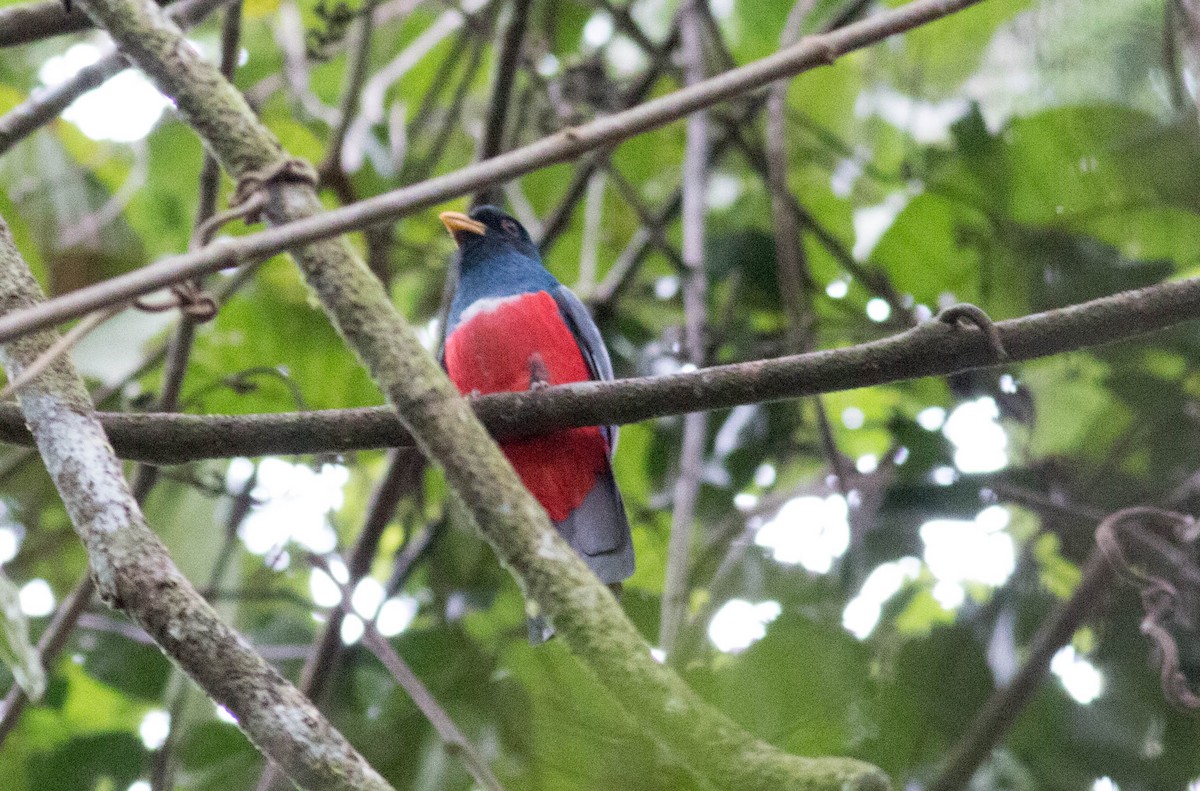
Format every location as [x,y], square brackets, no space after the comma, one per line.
[488,234]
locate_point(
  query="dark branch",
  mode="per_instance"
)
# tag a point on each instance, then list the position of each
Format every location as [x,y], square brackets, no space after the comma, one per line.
[507,63]
[931,349]
[810,53]
[1003,707]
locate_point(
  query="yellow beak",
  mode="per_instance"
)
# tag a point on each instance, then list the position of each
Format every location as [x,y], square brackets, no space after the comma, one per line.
[456,222]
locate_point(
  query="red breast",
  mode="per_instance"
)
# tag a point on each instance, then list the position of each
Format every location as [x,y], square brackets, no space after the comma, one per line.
[496,347]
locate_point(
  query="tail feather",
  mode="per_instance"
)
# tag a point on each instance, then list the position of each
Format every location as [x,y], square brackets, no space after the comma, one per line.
[599,531]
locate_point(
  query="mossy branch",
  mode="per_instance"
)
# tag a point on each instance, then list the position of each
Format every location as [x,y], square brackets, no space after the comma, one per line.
[134,573]
[583,610]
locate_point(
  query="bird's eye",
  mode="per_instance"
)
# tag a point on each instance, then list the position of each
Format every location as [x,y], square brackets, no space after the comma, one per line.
[510,228]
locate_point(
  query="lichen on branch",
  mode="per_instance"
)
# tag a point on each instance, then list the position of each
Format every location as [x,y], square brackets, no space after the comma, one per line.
[134,572]
[444,426]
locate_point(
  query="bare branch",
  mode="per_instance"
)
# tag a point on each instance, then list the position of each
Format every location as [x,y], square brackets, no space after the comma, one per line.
[432,710]
[792,268]
[931,349]
[660,62]
[695,312]
[507,62]
[44,106]
[397,480]
[356,77]
[29,22]
[810,53]
[1003,707]
[134,572]
[60,347]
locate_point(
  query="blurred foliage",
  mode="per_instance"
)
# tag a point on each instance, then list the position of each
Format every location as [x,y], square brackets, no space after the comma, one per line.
[1023,155]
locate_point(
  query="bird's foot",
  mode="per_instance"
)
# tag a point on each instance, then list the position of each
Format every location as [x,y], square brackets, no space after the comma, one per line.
[539,372]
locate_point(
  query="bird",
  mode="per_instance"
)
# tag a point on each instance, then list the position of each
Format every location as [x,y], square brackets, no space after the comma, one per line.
[513,327]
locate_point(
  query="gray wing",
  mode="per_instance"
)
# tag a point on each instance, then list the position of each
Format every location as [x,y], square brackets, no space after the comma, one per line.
[598,529]
[595,353]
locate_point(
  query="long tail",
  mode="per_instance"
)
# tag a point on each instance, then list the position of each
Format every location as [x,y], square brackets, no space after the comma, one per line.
[598,531]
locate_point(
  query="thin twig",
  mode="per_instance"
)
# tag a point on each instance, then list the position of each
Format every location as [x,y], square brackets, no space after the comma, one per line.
[451,118]
[86,229]
[378,237]
[1003,707]
[356,77]
[504,78]
[279,652]
[593,217]
[64,344]
[660,62]
[810,53]
[653,222]
[372,106]
[179,347]
[162,763]
[44,106]
[433,711]
[695,312]
[622,272]
[792,267]
[873,278]
[378,645]
[318,668]
[398,480]
[792,272]
[290,35]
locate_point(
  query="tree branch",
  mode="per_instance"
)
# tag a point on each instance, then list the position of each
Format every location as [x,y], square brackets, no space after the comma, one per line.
[356,76]
[29,22]
[809,53]
[695,312]
[43,106]
[327,648]
[133,572]
[555,579]
[660,61]
[931,349]
[1003,707]
[433,711]
[507,63]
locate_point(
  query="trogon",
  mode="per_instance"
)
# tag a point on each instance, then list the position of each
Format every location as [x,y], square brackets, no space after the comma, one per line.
[513,327]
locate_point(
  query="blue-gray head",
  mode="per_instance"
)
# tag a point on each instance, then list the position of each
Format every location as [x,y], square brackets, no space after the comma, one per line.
[486,234]
[498,258]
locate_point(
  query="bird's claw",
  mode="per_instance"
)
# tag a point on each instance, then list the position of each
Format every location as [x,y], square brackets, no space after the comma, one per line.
[539,372]
[967,313]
